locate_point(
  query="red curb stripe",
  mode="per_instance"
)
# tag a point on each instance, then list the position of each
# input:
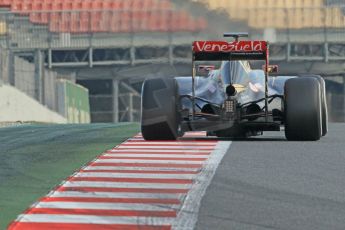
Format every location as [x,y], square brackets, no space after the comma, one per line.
[168,144]
[137,171]
[165,149]
[133,180]
[131,190]
[158,165]
[111,200]
[184,141]
[167,153]
[59,226]
[152,158]
[176,145]
[100,212]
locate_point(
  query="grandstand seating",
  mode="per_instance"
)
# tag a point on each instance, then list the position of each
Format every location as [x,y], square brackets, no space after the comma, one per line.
[282,14]
[120,16]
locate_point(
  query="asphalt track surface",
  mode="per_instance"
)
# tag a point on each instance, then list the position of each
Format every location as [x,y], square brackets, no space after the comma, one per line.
[268,183]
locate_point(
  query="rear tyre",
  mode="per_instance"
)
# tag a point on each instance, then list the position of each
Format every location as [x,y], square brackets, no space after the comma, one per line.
[302,104]
[160,114]
[323,103]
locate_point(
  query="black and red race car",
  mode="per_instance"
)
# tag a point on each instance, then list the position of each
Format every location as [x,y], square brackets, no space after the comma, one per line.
[234,101]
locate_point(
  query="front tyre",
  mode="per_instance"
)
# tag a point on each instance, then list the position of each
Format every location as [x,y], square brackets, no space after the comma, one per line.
[160,109]
[303,119]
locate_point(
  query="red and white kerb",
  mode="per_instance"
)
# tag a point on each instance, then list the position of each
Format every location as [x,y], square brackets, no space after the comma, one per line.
[138,185]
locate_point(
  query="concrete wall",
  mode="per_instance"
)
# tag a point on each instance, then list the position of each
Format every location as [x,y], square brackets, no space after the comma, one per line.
[17,106]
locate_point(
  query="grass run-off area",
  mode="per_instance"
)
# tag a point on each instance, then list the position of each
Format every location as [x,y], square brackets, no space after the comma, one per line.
[36,158]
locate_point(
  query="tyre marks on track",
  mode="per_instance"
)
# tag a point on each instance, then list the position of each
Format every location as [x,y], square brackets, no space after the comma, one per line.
[138,185]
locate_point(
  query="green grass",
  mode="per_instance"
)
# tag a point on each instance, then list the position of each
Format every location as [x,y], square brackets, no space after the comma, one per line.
[36,158]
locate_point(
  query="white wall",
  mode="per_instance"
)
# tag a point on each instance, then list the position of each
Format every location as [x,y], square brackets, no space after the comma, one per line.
[17,106]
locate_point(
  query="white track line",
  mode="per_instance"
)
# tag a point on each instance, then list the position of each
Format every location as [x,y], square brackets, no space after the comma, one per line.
[108,206]
[115,195]
[97,184]
[88,219]
[188,215]
[136,175]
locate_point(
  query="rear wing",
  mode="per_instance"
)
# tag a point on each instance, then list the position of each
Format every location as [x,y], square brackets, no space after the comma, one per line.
[230,51]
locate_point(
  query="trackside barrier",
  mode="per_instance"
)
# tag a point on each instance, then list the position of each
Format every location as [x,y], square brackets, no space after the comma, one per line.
[73,102]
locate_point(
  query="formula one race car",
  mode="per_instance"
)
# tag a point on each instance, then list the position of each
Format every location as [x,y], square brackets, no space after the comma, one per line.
[234,101]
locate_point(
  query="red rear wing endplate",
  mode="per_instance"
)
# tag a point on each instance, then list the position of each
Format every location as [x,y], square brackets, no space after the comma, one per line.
[223,50]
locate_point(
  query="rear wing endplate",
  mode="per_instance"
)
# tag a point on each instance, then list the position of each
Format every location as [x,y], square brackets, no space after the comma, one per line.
[231,51]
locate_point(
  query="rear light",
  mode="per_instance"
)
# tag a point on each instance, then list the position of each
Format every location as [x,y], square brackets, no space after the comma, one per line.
[230,106]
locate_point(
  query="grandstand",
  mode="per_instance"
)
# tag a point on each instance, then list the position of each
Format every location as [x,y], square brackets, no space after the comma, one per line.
[282,14]
[110,46]
[95,16]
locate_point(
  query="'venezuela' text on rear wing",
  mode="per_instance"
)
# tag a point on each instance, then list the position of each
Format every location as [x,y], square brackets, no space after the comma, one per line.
[223,50]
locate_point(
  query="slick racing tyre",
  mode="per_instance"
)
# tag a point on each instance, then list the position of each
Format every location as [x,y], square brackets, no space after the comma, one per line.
[160,109]
[323,102]
[302,105]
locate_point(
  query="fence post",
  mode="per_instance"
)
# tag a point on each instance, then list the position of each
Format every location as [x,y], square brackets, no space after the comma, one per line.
[50,58]
[2,66]
[115,100]
[11,77]
[90,56]
[343,97]
[131,115]
[39,81]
